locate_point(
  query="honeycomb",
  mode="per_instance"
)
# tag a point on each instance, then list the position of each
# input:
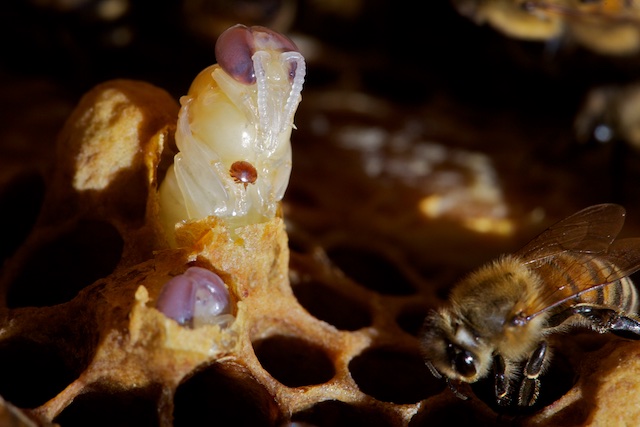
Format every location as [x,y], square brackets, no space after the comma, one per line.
[328,297]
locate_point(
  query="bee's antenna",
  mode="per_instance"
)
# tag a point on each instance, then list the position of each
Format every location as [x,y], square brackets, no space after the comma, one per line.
[455,390]
[450,384]
[433,369]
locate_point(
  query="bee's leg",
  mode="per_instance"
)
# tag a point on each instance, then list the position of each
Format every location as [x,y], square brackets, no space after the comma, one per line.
[501,380]
[530,386]
[608,320]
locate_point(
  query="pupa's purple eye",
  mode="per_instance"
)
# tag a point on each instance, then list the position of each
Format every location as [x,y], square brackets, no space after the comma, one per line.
[196,297]
[236,45]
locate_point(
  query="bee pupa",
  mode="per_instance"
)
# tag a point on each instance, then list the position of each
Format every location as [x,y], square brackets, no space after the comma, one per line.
[234,130]
[196,297]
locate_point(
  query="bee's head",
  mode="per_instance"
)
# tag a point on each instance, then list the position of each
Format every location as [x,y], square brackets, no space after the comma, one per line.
[452,349]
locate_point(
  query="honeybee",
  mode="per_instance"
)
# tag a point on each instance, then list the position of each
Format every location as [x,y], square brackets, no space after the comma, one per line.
[499,317]
[609,27]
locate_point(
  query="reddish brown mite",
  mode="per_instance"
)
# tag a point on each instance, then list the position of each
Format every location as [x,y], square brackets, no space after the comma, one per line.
[243,173]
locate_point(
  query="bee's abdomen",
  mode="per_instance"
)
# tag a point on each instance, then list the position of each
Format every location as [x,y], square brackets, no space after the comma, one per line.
[576,274]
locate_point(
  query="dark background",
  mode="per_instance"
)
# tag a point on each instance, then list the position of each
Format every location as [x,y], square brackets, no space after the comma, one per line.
[469,86]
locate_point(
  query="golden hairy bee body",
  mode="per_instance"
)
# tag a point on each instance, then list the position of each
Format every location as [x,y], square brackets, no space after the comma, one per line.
[499,317]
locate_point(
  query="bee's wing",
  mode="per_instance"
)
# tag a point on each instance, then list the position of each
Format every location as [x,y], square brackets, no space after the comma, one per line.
[589,233]
[591,230]
[624,254]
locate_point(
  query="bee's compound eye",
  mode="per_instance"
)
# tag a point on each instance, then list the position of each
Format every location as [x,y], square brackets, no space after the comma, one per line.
[234,49]
[197,296]
[267,39]
[465,363]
